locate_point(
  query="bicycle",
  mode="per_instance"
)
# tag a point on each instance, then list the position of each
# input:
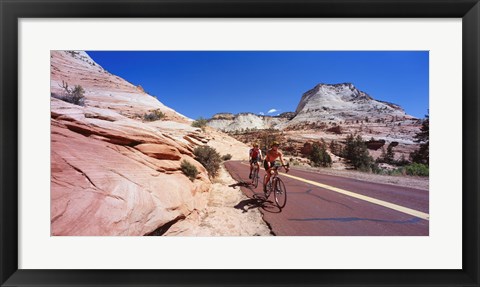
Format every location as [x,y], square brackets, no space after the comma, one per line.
[276,184]
[255,175]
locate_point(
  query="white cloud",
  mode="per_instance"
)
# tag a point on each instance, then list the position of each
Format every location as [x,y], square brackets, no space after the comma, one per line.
[272,111]
[261,113]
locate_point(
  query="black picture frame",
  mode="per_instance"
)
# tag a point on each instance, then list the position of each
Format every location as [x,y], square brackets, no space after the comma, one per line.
[11,11]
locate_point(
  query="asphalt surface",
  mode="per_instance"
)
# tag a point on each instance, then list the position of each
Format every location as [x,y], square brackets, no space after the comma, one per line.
[325,205]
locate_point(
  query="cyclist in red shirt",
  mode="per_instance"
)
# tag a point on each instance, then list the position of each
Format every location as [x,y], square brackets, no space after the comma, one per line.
[272,154]
[254,156]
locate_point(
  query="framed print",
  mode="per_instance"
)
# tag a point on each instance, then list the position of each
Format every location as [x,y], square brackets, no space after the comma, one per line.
[81,168]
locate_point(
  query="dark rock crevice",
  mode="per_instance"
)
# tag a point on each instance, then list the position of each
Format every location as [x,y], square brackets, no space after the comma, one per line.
[164,228]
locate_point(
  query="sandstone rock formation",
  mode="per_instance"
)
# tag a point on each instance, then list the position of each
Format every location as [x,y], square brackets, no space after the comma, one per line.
[330,112]
[243,121]
[112,173]
[341,102]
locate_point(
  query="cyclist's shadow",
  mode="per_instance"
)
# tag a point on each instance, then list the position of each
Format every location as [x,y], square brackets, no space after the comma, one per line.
[258,201]
[240,183]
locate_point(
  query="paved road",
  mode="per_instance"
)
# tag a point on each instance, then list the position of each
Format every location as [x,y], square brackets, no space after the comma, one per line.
[325,205]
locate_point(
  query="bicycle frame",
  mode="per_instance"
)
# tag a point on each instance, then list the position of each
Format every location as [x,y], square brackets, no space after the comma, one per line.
[272,185]
[275,171]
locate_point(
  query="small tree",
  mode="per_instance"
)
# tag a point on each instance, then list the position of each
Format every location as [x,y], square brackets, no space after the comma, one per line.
[422,154]
[335,148]
[387,156]
[382,156]
[356,152]
[390,155]
[319,156]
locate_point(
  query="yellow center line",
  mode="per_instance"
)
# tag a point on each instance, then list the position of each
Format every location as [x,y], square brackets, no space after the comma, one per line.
[386,204]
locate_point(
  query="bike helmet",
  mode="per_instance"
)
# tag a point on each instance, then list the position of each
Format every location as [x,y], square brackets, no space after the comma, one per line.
[274,143]
[255,144]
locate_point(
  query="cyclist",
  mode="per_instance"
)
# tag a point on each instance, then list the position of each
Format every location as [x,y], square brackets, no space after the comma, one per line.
[272,154]
[254,156]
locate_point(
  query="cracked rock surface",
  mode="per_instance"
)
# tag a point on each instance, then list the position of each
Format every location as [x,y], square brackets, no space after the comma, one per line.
[112,173]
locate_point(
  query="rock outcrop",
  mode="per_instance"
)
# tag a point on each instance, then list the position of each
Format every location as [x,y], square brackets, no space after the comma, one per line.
[329,112]
[323,105]
[243,121]
[112,173]
[343,102]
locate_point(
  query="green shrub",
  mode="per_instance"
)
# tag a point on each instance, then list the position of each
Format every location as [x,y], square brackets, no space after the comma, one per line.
[189,170]
[397,172]
[416,169]
[387,156]
[375,168]
[357,154]
[227,157]
[422,155]
[319,156]
[154,115]
[200,123]
[335,147]
[209,158]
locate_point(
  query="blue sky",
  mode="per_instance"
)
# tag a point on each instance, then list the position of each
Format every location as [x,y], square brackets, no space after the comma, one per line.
[203,83]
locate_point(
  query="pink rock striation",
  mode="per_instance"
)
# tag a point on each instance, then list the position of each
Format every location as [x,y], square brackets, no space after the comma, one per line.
[111,172]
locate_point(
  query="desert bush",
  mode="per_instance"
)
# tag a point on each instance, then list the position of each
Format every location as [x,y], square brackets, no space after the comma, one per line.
[418,169]
[154,115]
[319,156]
[397,172]
[189,170]
[200,123]
[74,96]
[209,158]
[373,168]
[227,157]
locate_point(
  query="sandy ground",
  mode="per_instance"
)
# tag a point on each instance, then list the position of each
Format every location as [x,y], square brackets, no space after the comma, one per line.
[226,214]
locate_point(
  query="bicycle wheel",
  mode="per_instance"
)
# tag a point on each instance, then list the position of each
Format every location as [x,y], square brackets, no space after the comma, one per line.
[280,193]
[255,177]
[269,187]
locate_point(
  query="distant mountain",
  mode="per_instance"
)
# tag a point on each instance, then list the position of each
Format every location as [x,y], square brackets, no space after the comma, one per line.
[325,103]
[243,121]
[343,102]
